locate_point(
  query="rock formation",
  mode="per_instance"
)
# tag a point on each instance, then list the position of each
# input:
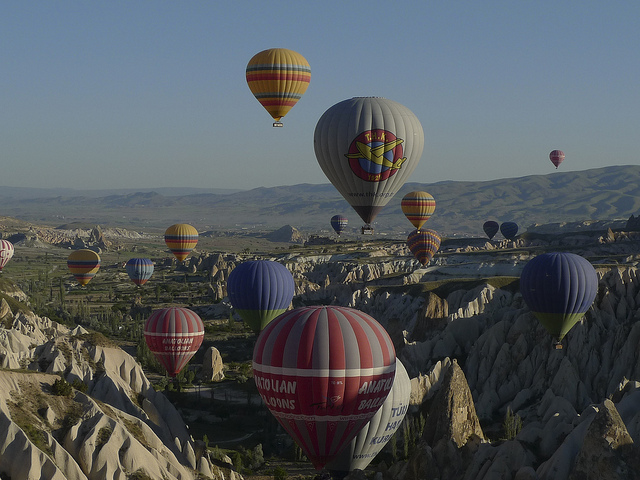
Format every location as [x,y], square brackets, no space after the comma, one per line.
[212,366]
[286,234]
[452,415]
[120,427]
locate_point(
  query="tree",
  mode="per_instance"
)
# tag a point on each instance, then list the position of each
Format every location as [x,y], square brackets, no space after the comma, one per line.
[512,424]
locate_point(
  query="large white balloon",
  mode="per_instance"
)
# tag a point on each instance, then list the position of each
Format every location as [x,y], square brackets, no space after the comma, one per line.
[382,426]
[368,147]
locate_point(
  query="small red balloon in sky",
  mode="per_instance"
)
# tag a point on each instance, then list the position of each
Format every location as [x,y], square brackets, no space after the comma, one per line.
[556,157]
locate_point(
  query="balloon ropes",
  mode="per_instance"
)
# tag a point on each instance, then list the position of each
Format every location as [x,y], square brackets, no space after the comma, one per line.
[368,147]
[278,78]
[83,265]
[259,291]
[509,230]
[173,335]
[490,228]
[556,157]
[323,372]
[339,223]
[558,288]
[423,244]
[6,253]
[139,270]
[418,207]
[181,239]
[372,438]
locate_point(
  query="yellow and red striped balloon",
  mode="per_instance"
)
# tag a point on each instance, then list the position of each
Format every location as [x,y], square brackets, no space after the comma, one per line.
[278,78]
[423,244]
[418,207]
[181,238]
[83,264]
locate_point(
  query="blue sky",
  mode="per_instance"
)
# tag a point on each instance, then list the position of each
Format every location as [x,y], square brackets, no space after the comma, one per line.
[114,94]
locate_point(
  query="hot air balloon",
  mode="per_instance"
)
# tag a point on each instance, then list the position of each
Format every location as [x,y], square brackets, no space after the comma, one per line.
[139,270]
[368,147]
[173,335]
[509,230]
[260,290]
[418,207]
[323,372]
[338,222]
[83,264]
[556,157]
[6,252]
[372,438]
[181,239]
[558,288]
[278,78]
[423,244]
[491,227]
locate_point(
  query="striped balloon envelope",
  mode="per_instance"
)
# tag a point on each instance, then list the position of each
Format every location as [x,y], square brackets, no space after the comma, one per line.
[339,223]
[558,288]
[259,291]
[423,244]
[490,228]
[323,372]
[139,270]
[556,157]
[173,335]
[418,207]
[377,432]
[509,230]
[83,264]
[181,238]
[6,252]
[278,78]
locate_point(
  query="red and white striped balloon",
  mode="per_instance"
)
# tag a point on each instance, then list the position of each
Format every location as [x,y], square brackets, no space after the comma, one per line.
[6,252]
[174,335]
[323,372]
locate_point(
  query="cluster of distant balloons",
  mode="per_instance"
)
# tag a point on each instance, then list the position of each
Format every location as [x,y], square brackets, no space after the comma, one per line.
[329,374]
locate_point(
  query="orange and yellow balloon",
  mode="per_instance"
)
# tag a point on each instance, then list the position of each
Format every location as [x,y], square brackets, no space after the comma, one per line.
[83,264]
[181,238]
[278,78]
[418,207]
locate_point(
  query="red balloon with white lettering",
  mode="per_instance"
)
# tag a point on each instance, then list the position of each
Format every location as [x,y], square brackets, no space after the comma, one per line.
[323,372]
[174,335]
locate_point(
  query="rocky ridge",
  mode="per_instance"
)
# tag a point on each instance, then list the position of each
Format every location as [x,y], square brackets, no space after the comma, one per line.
[118,427]
[579,406]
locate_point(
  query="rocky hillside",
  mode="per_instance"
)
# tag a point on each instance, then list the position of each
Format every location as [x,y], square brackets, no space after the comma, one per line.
[475,352]
[499,401]
[112,425]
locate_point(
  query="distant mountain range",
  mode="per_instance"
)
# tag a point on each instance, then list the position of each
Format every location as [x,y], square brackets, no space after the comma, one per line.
[608,193]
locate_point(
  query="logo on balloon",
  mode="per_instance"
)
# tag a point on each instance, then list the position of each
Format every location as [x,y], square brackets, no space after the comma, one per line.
[376,155]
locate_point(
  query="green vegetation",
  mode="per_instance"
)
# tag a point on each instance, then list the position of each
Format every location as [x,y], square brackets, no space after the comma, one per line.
[139,474]
[280,473]
[61,388]
[104,434]
[512,424]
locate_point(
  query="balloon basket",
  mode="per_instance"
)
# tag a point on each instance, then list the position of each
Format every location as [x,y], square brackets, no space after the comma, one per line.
[278,124]
[558,346]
